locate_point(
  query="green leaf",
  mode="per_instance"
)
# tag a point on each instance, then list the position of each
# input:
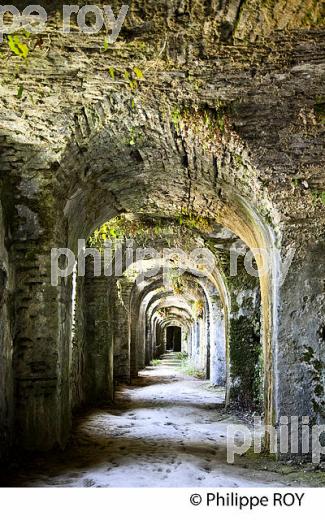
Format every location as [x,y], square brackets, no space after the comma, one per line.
[133,85]
[106,45]
[20,91]
[23,49]
[111,71]
[17,46]
[138,73]
[132,137]
[12,45]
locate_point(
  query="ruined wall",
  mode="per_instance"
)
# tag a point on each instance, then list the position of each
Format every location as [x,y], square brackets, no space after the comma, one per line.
[6,346]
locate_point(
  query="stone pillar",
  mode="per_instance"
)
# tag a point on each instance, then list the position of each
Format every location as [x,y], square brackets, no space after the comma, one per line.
[120,302]
[246,351]
[218,347]
[99,331]
[41,356]
[300,359]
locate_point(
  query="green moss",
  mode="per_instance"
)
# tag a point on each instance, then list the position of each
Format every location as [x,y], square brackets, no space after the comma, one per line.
[176,117]
[246,363]
[206,121]
[132,137]
[265,455]
[238,160]
[292,474]
[193,221]
[145,229]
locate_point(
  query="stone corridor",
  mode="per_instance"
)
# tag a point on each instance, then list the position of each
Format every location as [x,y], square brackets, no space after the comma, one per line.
[165,191]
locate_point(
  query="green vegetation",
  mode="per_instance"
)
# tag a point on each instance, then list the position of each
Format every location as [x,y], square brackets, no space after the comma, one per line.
[20,91]
[298,474]
[155,362]
[111,72]
[176,118]
[132,77]
[193,221]
[318,196]
[132,137]
[182,356]
[105,45]
[209,120]
[188,369]
[129,227]
[138,72]
[145,229]
[17,46]
[238,160]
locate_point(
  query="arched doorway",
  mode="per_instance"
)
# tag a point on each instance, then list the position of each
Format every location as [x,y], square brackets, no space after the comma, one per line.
[174,338]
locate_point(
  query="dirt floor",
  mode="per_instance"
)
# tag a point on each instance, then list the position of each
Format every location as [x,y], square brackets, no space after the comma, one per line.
[166,430]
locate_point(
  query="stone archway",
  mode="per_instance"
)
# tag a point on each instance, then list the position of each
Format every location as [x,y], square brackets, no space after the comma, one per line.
[92,202]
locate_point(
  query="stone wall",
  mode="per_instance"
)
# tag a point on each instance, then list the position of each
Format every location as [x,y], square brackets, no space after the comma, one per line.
[6,346]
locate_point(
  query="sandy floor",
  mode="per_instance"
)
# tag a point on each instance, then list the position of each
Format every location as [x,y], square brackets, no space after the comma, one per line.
[167,430]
